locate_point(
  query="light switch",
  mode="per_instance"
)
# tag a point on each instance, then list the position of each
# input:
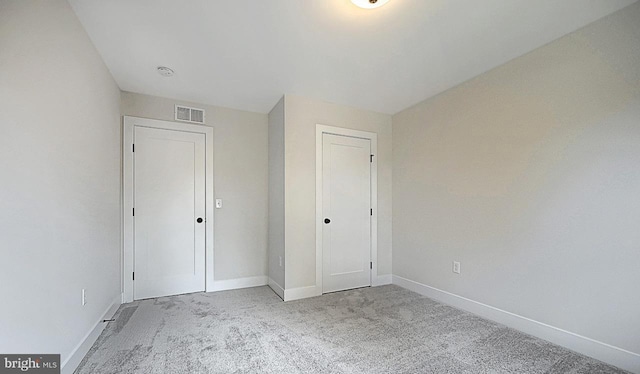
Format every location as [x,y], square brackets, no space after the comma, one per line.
[218,203]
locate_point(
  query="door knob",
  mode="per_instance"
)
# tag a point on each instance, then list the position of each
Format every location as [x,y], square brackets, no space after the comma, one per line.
[327,220]
[199,220]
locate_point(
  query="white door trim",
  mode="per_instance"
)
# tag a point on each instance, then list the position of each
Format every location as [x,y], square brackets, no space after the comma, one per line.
[373,137]
[127,204]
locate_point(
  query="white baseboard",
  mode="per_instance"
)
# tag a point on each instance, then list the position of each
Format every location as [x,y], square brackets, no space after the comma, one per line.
[381,280]
[313,291]
[301,293]
[234,284]
[602,351]
[276,288]
[77,354]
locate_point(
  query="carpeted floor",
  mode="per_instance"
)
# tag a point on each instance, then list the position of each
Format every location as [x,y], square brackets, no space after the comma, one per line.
[370,330]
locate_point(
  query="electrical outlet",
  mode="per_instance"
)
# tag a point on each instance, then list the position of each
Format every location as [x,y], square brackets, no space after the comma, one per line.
[84,297]
[456,267]
[280,260]
[218,203]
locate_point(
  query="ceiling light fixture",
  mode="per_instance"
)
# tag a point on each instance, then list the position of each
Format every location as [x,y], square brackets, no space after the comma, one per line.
[165,71]
[369,4]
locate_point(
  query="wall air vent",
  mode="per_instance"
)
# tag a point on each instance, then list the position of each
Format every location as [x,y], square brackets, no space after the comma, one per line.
[187,114]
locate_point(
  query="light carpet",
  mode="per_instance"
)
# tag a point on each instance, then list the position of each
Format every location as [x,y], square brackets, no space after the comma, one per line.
[370,330]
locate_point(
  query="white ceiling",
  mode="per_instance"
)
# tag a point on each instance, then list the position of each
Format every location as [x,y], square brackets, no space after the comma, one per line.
[246,54]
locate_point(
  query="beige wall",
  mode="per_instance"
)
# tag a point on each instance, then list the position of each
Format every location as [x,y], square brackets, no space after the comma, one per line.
[301,116]
[60,180]
[240,172]
[276,194]
[529,175]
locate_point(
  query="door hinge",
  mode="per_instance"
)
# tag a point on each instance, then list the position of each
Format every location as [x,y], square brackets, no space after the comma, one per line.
[371,158]
[371,211]
[133,212]
[133,275]
[133,147]
[371,265]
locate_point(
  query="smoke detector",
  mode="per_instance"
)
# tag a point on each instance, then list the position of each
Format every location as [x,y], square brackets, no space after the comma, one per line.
[165,71]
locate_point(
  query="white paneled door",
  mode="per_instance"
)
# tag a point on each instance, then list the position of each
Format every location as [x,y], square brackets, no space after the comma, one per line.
[346,204]
[169,212]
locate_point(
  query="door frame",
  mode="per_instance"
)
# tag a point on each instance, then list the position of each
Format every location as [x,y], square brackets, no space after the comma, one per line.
[373,137]
[128,192]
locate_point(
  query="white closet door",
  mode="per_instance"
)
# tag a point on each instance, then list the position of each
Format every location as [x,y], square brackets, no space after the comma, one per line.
[346,204]
[169,201]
